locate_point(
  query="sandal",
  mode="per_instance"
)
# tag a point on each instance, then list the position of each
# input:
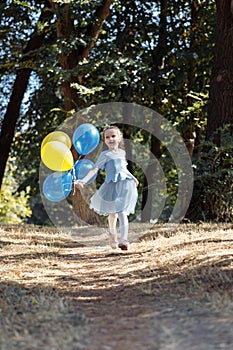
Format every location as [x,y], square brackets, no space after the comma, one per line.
[124,245]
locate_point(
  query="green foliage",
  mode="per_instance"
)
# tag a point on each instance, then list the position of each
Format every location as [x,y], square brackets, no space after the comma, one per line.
[136,58]
[213,188]
[195,114]
[14,207]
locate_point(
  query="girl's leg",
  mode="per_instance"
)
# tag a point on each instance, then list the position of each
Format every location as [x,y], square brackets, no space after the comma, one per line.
[124,229]
[112,221]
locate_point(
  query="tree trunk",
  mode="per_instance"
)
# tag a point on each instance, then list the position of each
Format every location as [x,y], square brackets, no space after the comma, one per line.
[150,180]
[19,88]
[158,58]
[127,112]
[65,28]
[72,100]
[220,107]
[190,134]
[83,214]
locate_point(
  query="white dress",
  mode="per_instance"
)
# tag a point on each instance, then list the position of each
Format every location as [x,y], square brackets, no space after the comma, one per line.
[118,192]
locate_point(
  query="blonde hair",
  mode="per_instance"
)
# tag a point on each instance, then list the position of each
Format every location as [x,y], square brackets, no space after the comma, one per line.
[114,127]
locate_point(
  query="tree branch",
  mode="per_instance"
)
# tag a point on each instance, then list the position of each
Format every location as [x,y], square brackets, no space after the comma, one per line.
[74,57]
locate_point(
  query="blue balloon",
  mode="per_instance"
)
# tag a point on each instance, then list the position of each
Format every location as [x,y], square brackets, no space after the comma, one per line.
[57,186]
[86,138]
[82,168]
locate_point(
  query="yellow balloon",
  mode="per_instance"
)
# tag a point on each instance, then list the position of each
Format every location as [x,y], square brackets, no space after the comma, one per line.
[57,156]
[57,136]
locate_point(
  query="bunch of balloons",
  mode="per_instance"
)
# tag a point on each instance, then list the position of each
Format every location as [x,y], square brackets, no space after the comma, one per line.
[57,156]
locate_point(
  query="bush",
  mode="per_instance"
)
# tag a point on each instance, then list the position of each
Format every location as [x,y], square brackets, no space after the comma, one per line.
[213,186]
[14,207]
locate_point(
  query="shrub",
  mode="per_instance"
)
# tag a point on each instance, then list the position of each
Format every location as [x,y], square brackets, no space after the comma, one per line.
[213,186]
[14,207]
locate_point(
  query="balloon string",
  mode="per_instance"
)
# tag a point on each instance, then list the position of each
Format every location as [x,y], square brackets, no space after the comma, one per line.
[73,174]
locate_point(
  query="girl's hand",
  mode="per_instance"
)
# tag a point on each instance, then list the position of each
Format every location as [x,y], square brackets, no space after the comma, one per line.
[136,182]
[79,183]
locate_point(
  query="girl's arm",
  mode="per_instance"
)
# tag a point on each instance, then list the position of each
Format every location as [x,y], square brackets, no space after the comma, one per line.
[89,175]
[136,181]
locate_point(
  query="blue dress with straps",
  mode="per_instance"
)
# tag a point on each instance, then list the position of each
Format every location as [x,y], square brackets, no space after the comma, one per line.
[118,192]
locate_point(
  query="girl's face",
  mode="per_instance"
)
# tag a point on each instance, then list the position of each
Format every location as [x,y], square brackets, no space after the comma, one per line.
[112,139]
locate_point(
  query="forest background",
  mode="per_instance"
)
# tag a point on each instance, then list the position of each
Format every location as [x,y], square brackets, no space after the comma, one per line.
[175,57]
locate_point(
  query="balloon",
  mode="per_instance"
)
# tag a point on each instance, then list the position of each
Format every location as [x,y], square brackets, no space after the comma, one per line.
[57,186]
[57,156]
[82,168]
[57,136]
[86,138]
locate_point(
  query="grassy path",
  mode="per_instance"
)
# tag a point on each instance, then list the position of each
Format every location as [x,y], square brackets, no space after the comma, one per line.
[171,291]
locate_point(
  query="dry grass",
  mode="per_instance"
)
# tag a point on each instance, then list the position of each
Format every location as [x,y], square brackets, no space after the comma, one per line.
[33,314]
[51,284]
[193,260]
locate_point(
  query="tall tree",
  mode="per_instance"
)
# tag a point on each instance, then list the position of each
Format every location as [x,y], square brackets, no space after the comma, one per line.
[70,59]
[157,55]
[20,85]
[220,106]
[136,54]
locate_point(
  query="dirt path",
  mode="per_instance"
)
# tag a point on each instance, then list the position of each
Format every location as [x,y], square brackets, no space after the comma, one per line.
[173,290]
[132,300]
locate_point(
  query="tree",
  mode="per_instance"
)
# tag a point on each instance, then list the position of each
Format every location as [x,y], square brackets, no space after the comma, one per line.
[20,85]
[72,56]
[212,199]
[220,106]
[157,55]
[153,53]
[70,59]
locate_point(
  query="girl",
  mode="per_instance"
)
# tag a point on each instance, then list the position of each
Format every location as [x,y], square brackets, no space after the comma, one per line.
[117,196]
